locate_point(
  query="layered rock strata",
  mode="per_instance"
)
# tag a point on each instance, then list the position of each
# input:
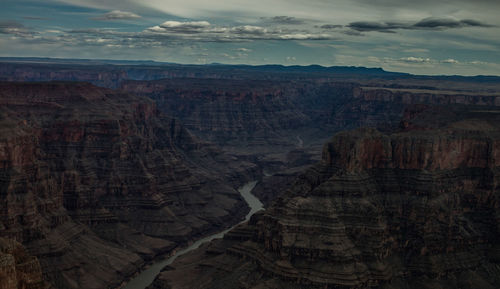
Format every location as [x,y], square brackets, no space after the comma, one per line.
[283,113]
[416,208]
[17,268]
[95,182]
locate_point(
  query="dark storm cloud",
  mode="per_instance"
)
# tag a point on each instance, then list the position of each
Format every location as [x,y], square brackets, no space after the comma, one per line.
[432,23]
[387,27]
[437,23]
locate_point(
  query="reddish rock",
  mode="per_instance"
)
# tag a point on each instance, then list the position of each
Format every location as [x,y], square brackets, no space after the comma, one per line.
[19,270]
[94,183]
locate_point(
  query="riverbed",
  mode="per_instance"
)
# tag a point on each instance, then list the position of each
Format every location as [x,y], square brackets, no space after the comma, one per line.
[146,277]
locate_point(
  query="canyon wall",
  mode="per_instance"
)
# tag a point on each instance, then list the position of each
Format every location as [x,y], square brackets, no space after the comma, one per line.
[95,182]
[415,208]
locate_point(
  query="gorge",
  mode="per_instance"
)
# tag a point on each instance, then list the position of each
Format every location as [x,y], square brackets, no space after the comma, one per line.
[145,278]
[417,208]
[108,169]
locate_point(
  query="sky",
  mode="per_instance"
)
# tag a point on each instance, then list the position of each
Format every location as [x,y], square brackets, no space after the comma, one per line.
[421,37]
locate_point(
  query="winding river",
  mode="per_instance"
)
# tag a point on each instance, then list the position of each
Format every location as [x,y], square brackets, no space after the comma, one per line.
[146,277]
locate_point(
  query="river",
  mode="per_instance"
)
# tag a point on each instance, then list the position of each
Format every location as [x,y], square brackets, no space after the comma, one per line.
[146,277]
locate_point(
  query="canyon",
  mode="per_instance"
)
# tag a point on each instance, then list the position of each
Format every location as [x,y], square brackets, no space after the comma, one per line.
[95,183]
[415,208]
[108,168]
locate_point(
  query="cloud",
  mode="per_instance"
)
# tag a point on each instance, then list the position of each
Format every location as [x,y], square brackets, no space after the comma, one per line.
[417,61]
[304,36]
[249,30]
[284,20]
[243,49]
[352,33]
[189,27]
[330,26]
[118,15]
[415,50]
[450,61]
[7,27]
[434,66]
[15,28]
[365,26]
[432,23]
[204,31]
[412,59]
[440,23]
[322,10]
[185,25]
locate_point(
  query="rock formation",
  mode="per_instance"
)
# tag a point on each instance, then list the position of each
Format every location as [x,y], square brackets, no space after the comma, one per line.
[415,208]
[238,112]
[17,268]
[95,182]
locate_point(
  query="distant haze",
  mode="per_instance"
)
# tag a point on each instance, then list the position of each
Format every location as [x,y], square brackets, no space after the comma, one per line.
[423,37]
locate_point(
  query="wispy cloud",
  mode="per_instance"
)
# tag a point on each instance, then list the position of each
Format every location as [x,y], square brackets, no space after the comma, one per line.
[189,27]
[412,59]
[424,61]
[118,15]
[450,61]
[330,26]
[15,28]
[35,18]
[284,20]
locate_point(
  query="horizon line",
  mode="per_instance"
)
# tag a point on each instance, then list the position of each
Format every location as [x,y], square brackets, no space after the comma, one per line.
[238,64]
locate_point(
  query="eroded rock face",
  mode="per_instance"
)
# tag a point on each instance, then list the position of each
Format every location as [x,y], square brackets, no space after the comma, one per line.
[275,113]
[429,96]
[237,112]
[417,208]
[262,111]
[96,182]
[17,268]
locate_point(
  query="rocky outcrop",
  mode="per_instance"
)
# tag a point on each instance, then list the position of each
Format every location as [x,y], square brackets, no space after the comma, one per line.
[427,96]
[95,182]
[274,113]
[242,112]
[17,268]
[416,208]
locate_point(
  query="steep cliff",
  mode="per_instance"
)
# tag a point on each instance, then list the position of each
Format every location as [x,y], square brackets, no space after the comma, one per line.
[416,208]
[17,268]
[237,112]
[266,120]
[95,182]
